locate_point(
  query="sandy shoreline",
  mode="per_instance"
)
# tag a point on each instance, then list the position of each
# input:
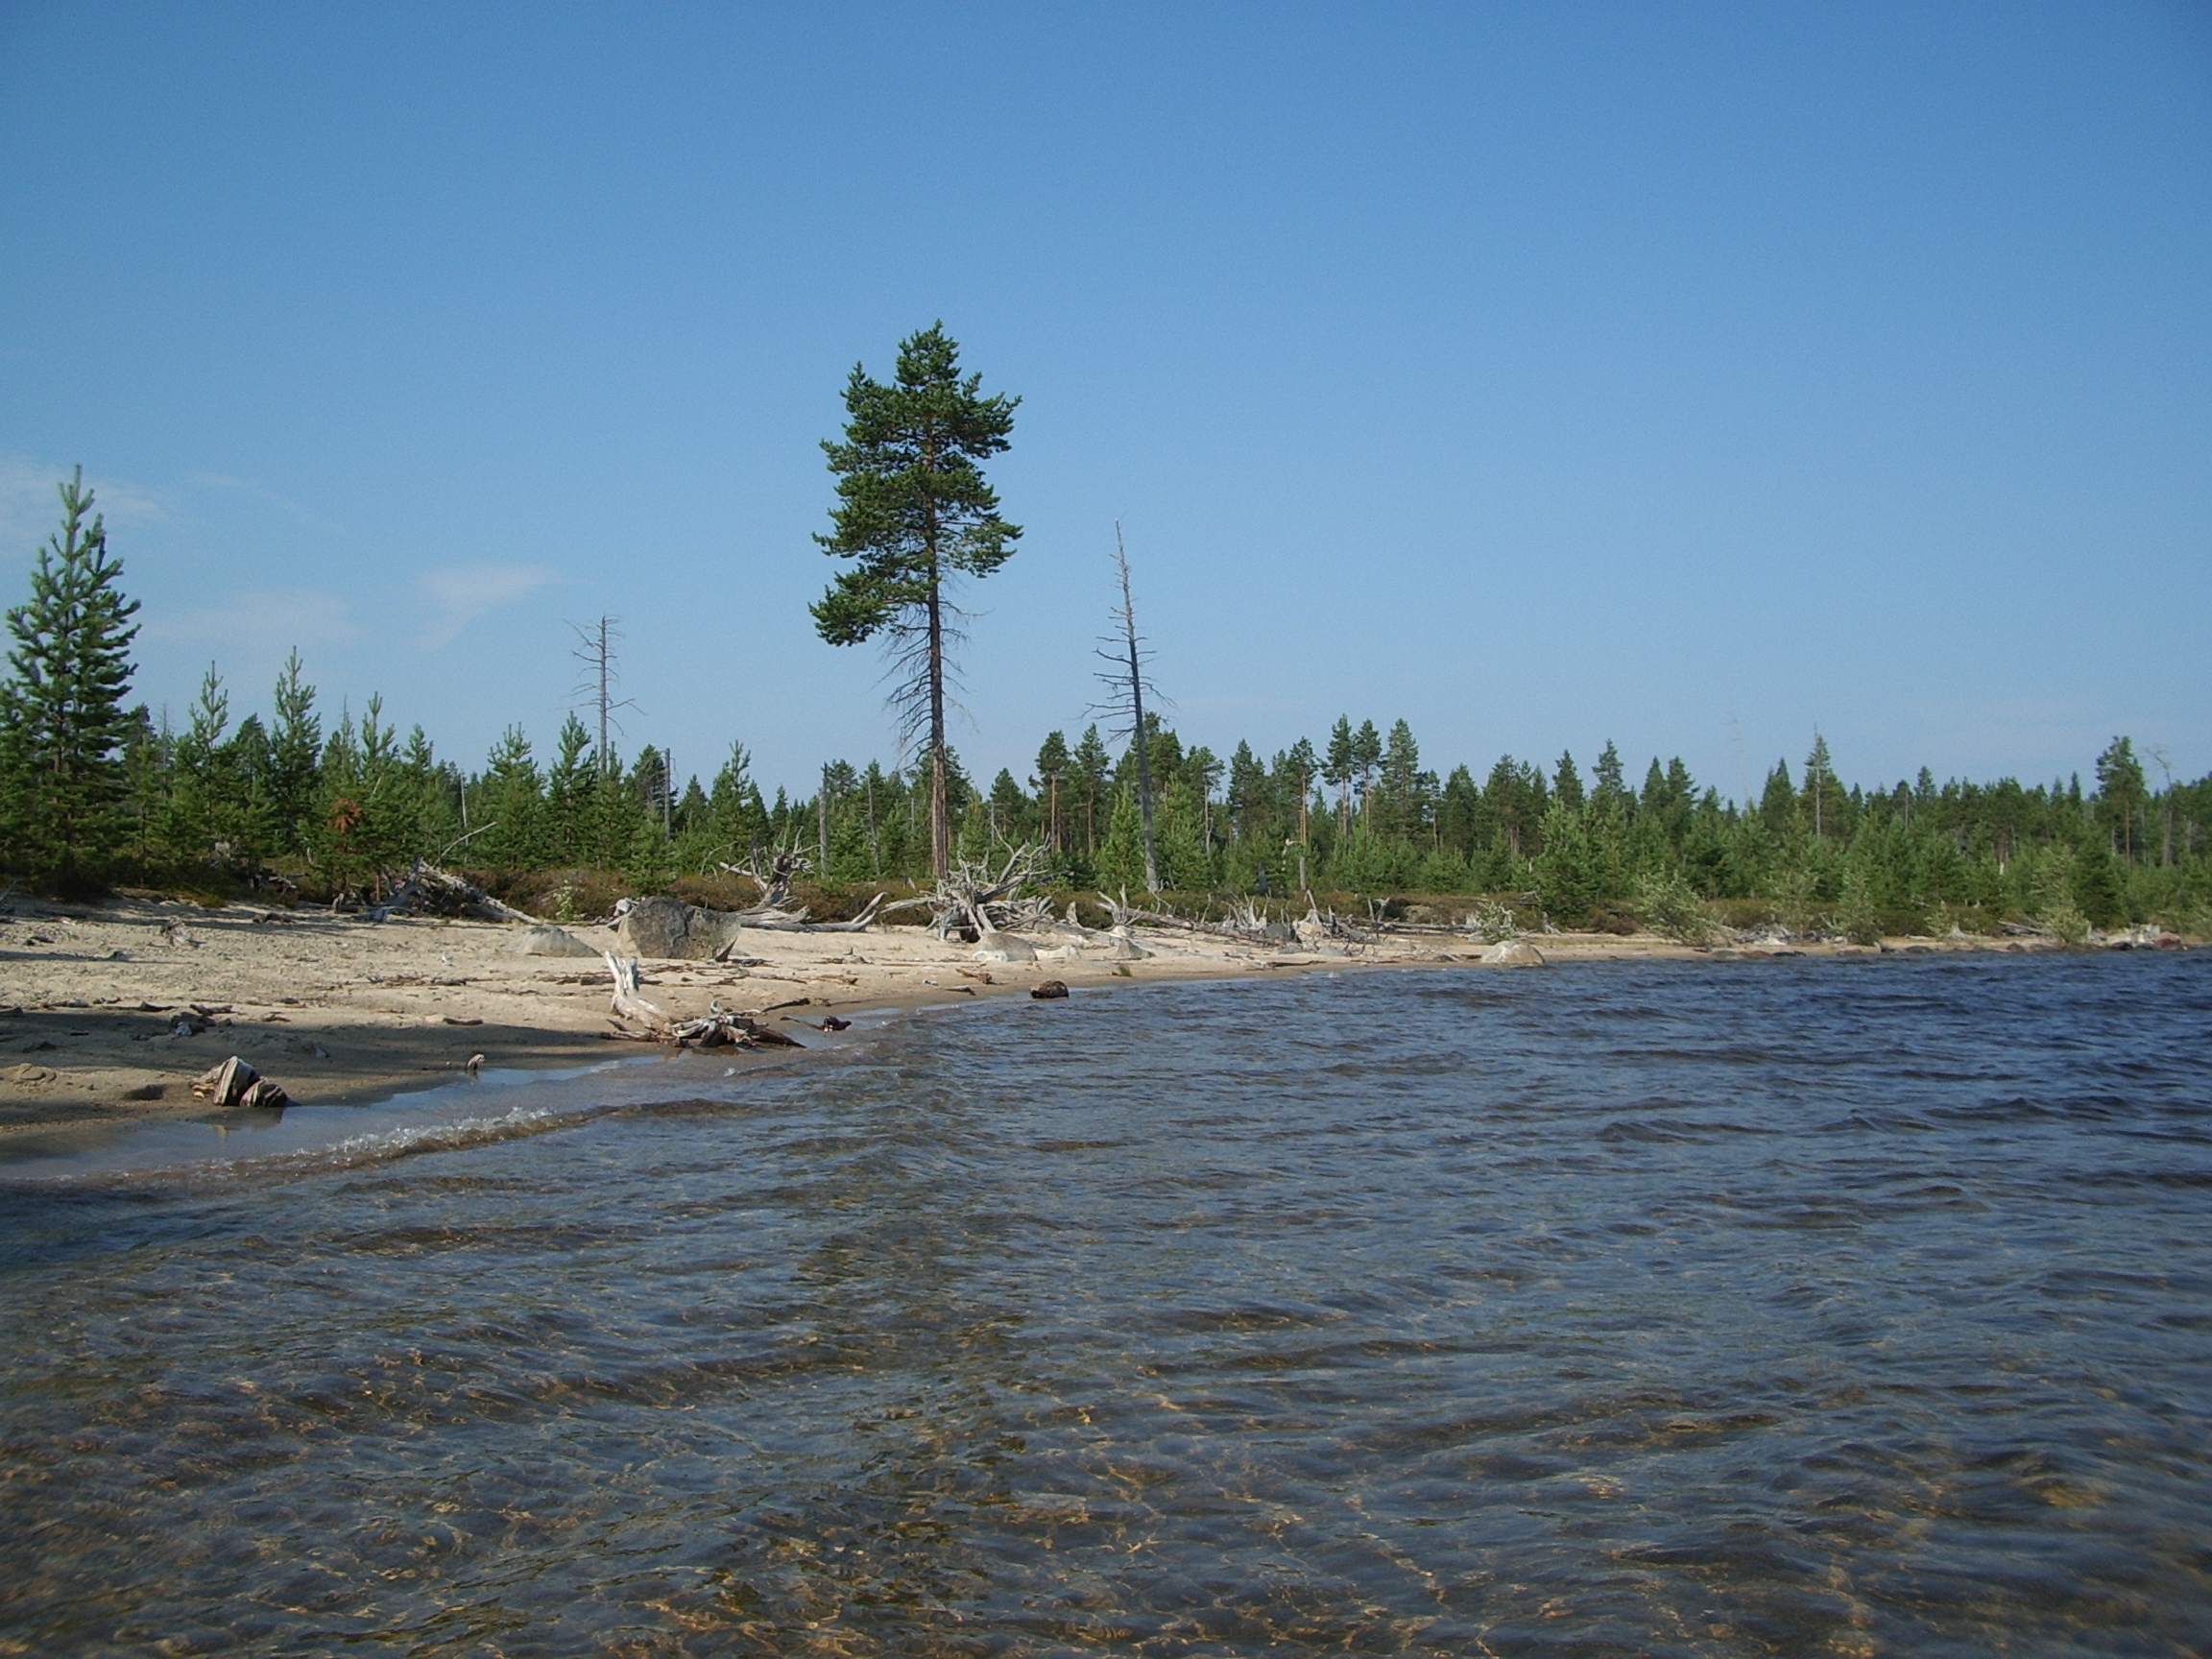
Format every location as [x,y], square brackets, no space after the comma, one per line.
[107,1013]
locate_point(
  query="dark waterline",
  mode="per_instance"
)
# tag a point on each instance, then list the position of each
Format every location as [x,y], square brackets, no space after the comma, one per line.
[1671,1309]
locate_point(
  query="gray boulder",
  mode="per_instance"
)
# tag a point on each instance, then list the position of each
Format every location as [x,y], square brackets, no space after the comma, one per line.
[668,930]
[547,942]
[1005,947]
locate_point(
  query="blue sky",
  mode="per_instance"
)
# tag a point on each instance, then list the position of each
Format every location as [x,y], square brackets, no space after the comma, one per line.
[1689,375]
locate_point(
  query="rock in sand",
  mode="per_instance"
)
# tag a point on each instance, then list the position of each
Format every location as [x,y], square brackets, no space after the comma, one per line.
[547,942]
[1005,947]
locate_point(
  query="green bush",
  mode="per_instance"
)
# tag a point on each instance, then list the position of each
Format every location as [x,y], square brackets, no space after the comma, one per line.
[1670,907]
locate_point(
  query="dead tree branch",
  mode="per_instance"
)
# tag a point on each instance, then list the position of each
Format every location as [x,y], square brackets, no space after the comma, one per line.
[431,891]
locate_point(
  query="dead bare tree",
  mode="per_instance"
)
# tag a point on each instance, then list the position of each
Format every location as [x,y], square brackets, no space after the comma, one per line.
[595,650]
[1128,682]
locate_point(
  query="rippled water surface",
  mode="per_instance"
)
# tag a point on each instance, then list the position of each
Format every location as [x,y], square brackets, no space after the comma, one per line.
[1670,1308]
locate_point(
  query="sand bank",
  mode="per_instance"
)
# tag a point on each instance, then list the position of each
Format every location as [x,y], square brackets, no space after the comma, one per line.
[107,1013]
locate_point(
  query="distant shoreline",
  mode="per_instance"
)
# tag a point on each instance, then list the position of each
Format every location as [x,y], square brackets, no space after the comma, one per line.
[108,1014]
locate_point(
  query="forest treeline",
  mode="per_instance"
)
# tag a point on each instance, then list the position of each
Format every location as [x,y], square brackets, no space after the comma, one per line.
[345,806]
[329,804]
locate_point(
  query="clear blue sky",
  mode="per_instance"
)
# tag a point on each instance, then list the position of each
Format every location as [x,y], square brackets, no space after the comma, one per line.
[1688,376]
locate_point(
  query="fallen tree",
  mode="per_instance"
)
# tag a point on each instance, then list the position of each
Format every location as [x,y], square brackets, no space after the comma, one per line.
[429,891]
[971,896]
[719,1027]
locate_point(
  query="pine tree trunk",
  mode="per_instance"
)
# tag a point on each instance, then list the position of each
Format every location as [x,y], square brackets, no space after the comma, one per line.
[940,795]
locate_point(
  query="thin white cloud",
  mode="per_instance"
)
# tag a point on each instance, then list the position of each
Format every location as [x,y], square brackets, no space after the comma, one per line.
[30,511]
[464,592]
[262,492]
[300,616]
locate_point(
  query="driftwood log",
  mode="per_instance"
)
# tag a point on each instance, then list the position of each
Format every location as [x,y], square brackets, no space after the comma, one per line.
[429,891]
[234,1083]
[719,1027]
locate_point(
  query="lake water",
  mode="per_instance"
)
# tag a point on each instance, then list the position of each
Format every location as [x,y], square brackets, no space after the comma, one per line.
[1790,1307]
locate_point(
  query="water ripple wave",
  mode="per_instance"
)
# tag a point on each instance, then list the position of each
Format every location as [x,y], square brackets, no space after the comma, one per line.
[1664,1309]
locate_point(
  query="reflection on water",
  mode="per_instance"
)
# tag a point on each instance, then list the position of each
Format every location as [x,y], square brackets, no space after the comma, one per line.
[1644,1308]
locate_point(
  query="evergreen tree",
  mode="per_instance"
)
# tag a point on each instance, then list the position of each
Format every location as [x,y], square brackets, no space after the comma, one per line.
[914,510]
[1822,797]
[2121,795]
[511,805]
[1400,793]
[1088,767]
[294,761]
[1612,785]
[62,723]
[199,787]
[1567,782]
[1366,757]
[1122,855]
[571,785]
[1053,764]
[1339,766]
[1778,801]
[1247,802]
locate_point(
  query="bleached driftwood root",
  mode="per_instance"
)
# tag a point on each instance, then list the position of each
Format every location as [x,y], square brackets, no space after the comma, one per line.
[431,891]
[718,1028]
[974,897]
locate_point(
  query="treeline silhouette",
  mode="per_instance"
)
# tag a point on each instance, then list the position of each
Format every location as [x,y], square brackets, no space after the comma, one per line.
[96,792]
[346,809]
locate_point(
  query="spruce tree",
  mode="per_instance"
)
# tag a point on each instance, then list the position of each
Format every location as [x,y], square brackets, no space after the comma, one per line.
[1611,782]
[62,723]
[1822,794]
[294,761]
[913,512]
[1567,782]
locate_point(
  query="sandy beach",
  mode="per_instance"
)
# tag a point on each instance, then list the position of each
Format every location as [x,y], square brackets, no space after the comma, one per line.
[108,1012]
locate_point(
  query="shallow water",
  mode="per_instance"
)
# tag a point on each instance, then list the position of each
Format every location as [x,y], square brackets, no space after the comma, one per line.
[1675,1308]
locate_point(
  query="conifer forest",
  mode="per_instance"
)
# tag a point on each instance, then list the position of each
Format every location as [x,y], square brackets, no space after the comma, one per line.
[303,805]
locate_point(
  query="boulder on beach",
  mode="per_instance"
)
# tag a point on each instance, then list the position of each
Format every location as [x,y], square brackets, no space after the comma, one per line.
[1513,953]
[670,930]
[547,942]
[1005,947]
[1126,949]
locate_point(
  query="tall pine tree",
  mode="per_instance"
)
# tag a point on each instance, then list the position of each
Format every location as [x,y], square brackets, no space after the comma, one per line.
[914,511]
[62,723]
